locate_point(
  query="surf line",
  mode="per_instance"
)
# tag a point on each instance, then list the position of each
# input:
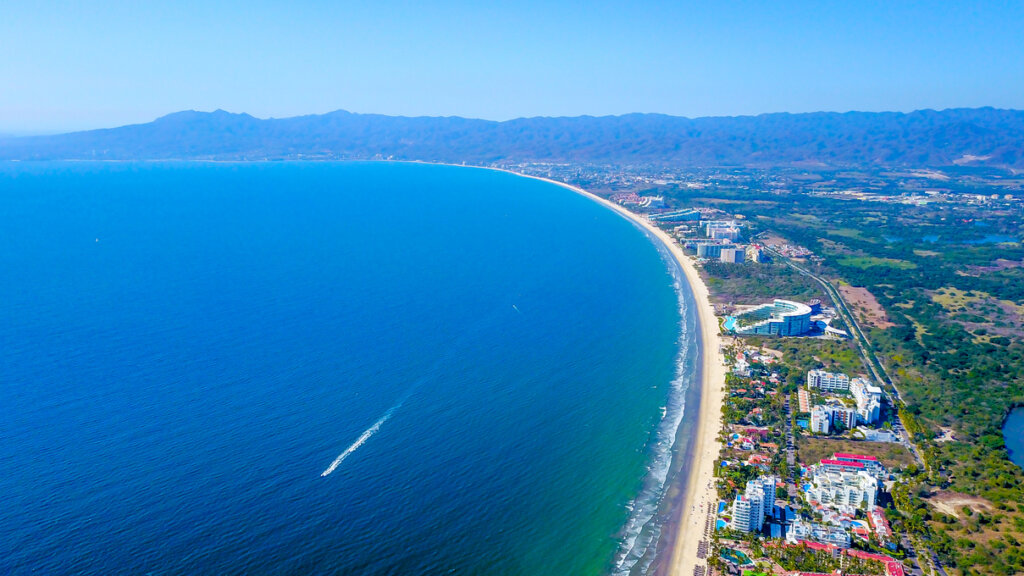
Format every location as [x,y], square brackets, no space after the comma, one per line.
[366,435]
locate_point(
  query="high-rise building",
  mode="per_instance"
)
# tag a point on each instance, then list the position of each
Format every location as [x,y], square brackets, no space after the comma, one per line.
[828,381]
[724,233]
[755,253]
[686,215]
[710,226]
[870,463]
[821,420]
[800,529]
[838,466]
[747,513]
[765,486]
[825,417]
[782,317]
[733,255]
[757,501]
[843,415]
[847,489]
[869,400]
[708,250]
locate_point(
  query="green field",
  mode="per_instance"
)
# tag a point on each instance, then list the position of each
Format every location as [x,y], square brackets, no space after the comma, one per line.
[865,262]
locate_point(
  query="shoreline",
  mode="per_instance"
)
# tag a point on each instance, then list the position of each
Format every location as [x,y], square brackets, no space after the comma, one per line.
[691,490]
[700,492]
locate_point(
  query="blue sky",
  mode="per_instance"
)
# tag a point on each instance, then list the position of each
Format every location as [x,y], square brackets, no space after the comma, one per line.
[77,65]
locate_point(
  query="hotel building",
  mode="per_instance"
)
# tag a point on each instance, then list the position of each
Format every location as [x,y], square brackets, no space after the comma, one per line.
[828,381]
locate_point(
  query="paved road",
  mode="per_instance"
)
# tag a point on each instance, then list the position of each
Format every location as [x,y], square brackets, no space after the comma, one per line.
[911,555]
[863,346]
[937,564]
[878,371]
[790,448]
[931,563]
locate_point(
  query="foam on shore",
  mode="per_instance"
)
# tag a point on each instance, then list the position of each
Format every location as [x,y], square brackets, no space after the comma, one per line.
[700,492]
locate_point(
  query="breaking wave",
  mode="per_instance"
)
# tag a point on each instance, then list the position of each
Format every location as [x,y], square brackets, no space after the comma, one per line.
[643,529]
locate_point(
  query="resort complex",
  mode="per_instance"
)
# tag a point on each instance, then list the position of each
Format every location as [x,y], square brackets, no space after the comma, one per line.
[783,502]
[780,318]
[750,509]
[512,288]
[774,506]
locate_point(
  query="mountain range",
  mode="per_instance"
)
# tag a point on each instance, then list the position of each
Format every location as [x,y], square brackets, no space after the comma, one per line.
[976,136]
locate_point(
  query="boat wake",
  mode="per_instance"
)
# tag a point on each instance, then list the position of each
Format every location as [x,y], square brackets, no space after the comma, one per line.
[366,435]
[453,351]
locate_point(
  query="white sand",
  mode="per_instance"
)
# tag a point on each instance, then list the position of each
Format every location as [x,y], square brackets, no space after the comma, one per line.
[701,495]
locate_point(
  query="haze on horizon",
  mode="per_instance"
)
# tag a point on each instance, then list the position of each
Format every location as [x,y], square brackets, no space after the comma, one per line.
[73,65]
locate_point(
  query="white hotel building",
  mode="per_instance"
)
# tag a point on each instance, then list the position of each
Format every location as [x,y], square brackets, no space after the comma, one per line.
[869,400]
[750,508]
[843,489]
[828,381]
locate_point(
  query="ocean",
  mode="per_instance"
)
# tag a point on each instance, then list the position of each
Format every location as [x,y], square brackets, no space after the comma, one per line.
[332,368]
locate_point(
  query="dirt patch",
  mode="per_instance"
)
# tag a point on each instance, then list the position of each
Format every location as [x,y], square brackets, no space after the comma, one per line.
[980,312]
[866,306]
[811,450]
[771,239]
[953,503]
[947,435]
[997,265]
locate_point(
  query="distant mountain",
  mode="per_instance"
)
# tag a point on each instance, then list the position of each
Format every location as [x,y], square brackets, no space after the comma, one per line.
[985,136]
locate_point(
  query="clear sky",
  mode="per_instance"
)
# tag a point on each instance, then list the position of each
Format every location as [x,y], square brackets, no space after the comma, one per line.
[76,65]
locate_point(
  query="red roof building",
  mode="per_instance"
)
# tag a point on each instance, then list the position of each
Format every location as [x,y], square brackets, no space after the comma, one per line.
[845,456]
[893,567]
[842,463]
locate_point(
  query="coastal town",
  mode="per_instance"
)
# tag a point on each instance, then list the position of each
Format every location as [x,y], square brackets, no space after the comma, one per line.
[797,474]
[777,510]
[512,288]
[869,323]
[811,458]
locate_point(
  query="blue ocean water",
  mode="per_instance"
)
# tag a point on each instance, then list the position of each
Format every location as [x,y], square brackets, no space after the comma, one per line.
[1013,434]
[494,364]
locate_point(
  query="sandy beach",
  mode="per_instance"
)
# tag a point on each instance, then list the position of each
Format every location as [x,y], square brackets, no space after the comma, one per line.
[700,490]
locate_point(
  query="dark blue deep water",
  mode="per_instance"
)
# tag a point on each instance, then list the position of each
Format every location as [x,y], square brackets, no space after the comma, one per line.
[186,348]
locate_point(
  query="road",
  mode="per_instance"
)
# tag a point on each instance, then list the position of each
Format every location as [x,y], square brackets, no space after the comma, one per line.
[929,561]
[790,449]
[863,346]
[878,371]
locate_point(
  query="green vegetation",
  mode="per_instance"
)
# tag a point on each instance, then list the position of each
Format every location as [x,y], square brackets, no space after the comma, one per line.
[751,409]
[850,233]
[892,456]
[804,354]
[954,293]
[805,559]
[758,283]
[871,262]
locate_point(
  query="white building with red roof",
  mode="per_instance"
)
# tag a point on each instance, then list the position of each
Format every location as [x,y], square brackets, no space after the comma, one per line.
[870,463]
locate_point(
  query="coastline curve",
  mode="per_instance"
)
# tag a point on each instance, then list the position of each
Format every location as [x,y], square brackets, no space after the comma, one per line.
[700,494]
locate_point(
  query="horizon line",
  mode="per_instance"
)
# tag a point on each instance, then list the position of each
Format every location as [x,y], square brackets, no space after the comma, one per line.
[22,133]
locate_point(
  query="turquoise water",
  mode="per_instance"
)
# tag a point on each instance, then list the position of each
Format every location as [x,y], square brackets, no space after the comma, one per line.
[331,368]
